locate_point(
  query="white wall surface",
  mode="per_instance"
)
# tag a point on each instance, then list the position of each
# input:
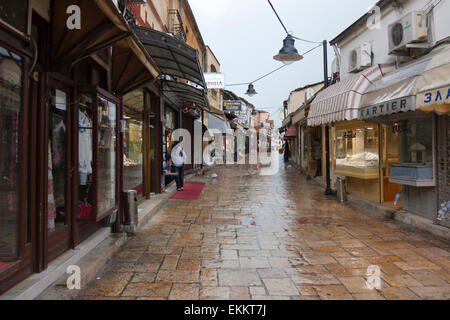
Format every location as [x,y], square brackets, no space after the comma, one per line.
[379,39]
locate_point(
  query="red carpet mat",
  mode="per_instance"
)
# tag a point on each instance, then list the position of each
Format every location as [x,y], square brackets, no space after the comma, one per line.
[192,191]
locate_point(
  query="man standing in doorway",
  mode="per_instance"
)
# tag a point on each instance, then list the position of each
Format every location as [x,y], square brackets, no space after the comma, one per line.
[178,159]
[318,157]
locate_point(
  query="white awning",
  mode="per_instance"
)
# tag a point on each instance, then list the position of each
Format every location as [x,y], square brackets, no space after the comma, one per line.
[427,79]
[215,122]
[342,100]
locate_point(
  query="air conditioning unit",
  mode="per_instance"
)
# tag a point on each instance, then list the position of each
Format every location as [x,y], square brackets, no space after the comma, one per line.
[360,57]
[410,29]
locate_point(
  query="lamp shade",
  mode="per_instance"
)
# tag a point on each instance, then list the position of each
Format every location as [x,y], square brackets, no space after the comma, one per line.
[251,90]
[288,54]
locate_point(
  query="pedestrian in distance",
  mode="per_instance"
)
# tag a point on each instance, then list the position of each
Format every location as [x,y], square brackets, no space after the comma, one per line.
[287,152]
[179,159]
[318,157]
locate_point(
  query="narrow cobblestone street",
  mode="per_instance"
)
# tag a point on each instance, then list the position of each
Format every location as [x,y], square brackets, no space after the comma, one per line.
[272,237]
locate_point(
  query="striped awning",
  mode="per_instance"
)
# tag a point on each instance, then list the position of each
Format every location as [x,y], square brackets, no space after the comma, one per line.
[426,80]
[342,100]
[291,133]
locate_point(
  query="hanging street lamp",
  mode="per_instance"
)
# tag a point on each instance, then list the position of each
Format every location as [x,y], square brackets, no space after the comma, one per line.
[251,90]
[288,54]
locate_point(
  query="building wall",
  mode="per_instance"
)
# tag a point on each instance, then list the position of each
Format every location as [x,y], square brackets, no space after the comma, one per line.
[155,15]
[211,64]
[379,38]
[297,97]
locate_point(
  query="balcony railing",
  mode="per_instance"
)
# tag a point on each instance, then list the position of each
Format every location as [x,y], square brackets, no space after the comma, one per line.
[176,25]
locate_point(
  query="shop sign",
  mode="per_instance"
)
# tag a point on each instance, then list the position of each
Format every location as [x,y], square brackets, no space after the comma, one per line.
[214,80]
[390,107]
[434,97]
[242,116]
[232,105]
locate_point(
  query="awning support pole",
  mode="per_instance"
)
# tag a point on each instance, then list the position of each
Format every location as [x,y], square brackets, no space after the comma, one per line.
[328,190]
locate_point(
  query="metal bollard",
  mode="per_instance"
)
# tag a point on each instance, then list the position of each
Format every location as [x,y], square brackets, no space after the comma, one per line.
[341,193]
[131,209]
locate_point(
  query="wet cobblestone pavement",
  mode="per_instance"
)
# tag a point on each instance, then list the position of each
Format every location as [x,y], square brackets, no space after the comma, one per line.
[272,237]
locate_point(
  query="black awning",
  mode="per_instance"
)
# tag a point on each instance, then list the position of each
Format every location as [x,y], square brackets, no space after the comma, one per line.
[180,93]
[181,73]
[174,57]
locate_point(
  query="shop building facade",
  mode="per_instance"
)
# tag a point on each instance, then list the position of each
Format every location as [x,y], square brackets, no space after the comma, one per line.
[86,115]
[61,98]
[301,138]
[388,115]
[169,31]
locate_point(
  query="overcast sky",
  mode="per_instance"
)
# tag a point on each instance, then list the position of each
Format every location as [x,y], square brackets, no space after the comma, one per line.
[245,35]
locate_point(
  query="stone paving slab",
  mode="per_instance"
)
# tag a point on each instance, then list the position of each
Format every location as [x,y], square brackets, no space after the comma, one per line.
[251,237]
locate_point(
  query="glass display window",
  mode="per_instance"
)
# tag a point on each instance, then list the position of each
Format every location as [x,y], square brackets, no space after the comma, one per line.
[10,105]
[170,126]
[133,142]
[414,142]
[357,151]
[85,158]
[57,161]
[107,144]
[97,154]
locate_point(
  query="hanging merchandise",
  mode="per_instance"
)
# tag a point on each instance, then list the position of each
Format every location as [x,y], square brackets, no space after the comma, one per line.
[84,147]
[84,209]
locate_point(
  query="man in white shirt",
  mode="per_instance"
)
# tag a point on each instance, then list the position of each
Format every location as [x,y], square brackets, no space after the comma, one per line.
[178,159]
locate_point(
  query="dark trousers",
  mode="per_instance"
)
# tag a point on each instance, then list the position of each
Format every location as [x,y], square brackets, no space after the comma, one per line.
[180,177]
[168,180]
[319,168]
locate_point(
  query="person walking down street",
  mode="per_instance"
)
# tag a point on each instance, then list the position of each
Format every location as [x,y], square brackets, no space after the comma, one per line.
[318,157]
[179,158]
[169,174]
[286,152]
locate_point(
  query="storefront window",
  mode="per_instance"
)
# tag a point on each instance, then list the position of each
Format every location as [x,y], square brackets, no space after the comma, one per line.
[85,164]
[357,151]
[57,153]
[10,105]
[357,148]
[133,141]
[107,138]
[415,148]
[170,125]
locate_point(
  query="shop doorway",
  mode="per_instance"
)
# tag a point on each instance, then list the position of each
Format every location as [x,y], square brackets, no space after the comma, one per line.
[314,135]
[154,109]
[58,139]
[390,157]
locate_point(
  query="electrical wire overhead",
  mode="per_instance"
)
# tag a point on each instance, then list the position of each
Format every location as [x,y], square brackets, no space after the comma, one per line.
[285,29]
[279,68]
